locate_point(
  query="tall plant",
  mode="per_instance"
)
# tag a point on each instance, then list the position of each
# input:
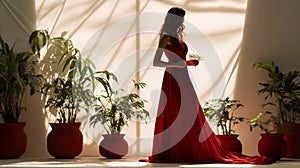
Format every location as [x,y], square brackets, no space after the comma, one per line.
[282,92]
[70,88]
[18,72]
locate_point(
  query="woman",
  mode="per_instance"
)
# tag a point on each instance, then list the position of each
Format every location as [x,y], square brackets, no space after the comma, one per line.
[181,131]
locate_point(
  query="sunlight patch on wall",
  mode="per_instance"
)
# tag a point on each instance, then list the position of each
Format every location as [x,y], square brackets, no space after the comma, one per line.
[220,24]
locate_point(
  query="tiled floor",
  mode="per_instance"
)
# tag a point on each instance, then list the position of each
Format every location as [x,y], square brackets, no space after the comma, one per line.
[90,162]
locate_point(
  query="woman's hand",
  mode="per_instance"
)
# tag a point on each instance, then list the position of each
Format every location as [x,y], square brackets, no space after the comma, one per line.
[192,62]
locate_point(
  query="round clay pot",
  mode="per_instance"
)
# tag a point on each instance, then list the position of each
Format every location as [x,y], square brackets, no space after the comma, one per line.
[13,140]
[272,145]
[231,142]
[292,138]
[113,146]
[65,140]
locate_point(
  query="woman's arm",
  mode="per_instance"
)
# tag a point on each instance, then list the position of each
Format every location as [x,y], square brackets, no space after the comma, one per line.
[163,42]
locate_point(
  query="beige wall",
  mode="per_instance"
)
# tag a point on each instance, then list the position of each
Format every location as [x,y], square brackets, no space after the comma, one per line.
[271,33]
[17,24]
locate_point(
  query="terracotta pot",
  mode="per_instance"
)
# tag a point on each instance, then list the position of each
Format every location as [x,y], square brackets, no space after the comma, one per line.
[13,140]
[292,138]
[231,142]
[65,140]
[272,145]
[113,146]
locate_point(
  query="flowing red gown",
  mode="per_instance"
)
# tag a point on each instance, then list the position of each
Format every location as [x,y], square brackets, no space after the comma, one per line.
[182,134]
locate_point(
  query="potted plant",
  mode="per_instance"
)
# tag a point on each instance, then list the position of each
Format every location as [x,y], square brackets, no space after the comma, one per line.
[18,73]
[282,93]
[222,111]
[69,90]
[114,111]
[271,143]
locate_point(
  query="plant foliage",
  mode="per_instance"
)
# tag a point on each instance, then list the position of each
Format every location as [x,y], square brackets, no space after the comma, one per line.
[264,121]
[282,94]
[18,72]
[114,111]
[222,111]
[71,87]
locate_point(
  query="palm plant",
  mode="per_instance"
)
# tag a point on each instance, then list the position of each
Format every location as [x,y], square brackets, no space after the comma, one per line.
[18,72]
[282,92]
[68,95]
[71,88]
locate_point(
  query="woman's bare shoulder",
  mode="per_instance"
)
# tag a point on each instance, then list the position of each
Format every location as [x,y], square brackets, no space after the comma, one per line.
[164,40]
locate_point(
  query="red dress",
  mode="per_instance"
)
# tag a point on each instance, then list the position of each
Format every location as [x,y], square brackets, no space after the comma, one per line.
[181,133]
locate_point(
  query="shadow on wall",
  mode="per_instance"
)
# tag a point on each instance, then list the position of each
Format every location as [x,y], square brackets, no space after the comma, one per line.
[19,20]
[37,125]
[271,33]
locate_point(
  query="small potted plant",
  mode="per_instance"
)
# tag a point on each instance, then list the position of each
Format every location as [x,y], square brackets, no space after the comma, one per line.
[69,90]
[18,73]
[271,143]
[114,111]
[222,111]
[282,93]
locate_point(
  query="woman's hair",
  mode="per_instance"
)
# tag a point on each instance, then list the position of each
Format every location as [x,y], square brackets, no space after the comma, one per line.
[173,24]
